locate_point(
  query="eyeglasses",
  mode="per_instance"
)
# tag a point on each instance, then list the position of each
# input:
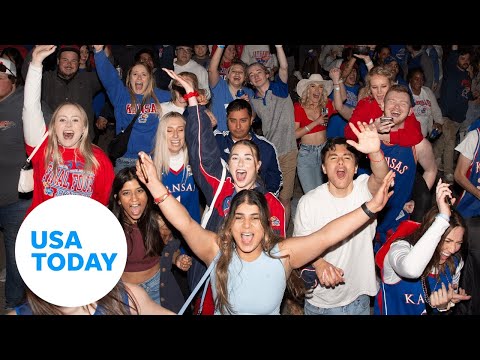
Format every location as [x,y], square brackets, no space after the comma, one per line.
[4,69]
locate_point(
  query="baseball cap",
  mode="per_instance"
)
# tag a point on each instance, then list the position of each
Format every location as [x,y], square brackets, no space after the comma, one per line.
[74,48]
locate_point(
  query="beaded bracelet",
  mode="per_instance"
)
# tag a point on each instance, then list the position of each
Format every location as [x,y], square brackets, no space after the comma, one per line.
[190,94]
[162,198]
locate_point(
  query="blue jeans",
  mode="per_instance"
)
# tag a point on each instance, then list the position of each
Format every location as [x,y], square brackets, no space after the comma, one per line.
[309,166]
[360,306]
[11,217]
[152,287]
[123,162]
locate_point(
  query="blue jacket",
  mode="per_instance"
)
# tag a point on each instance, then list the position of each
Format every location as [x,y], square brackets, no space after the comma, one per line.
[270,171]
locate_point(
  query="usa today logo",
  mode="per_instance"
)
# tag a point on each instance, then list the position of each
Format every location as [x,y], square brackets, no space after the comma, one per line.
[71,251]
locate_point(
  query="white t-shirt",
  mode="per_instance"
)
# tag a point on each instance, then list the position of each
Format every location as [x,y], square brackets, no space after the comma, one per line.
[170,106]
[468,145]
[426,110]
[194,67]
[354,255]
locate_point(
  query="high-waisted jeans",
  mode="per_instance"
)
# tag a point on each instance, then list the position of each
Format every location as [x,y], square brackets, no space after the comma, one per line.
[309,166]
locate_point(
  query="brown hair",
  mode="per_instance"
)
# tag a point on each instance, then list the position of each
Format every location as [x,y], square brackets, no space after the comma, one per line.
[455,220]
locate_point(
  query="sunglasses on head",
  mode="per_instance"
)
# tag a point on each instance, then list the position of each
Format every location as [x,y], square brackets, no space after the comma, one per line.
[4,69]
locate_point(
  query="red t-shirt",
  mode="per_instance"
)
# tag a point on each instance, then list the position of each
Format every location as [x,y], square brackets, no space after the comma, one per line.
[368,109]
[68,180]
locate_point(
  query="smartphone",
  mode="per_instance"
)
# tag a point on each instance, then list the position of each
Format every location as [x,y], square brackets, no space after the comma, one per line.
[324,111]
[142,166]
[386,119]
[448,199]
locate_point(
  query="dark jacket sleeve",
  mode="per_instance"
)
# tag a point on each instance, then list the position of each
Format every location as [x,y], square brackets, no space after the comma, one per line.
[270,170]
[203,151]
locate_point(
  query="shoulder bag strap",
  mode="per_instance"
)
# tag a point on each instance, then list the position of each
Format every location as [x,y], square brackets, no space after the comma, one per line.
[137,114]
[206,216]
[199,285]
[37,147]
[205,219]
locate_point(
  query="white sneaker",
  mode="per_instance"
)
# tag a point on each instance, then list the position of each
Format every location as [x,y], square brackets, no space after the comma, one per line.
[3,274]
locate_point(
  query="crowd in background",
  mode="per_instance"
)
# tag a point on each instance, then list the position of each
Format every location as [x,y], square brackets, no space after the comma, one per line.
[344,123]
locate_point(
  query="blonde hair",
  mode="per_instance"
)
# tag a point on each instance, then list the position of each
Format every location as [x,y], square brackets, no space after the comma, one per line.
[380,71]
[303,100]
[84,148]
[161,154]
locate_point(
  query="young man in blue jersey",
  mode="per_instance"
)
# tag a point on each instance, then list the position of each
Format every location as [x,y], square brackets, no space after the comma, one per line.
[403,160]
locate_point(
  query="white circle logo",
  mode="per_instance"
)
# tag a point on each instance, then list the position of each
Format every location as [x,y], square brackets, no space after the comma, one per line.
[71,250]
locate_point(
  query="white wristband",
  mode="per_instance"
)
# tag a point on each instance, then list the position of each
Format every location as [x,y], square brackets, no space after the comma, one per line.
[369,63]
[444,216]
[306,127]
[278,46]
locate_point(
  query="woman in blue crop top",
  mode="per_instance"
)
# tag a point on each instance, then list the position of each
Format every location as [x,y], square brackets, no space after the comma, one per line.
[254,264]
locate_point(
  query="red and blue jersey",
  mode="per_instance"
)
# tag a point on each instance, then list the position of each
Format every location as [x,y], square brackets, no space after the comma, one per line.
[403,161]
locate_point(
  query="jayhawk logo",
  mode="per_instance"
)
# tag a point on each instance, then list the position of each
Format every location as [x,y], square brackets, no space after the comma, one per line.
[274,221]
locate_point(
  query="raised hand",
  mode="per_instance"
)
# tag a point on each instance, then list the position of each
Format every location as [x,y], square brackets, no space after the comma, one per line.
[368,140]
[149,170]
[334,74]
[185,84]
[383,194]
[443,190]
[41,52]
